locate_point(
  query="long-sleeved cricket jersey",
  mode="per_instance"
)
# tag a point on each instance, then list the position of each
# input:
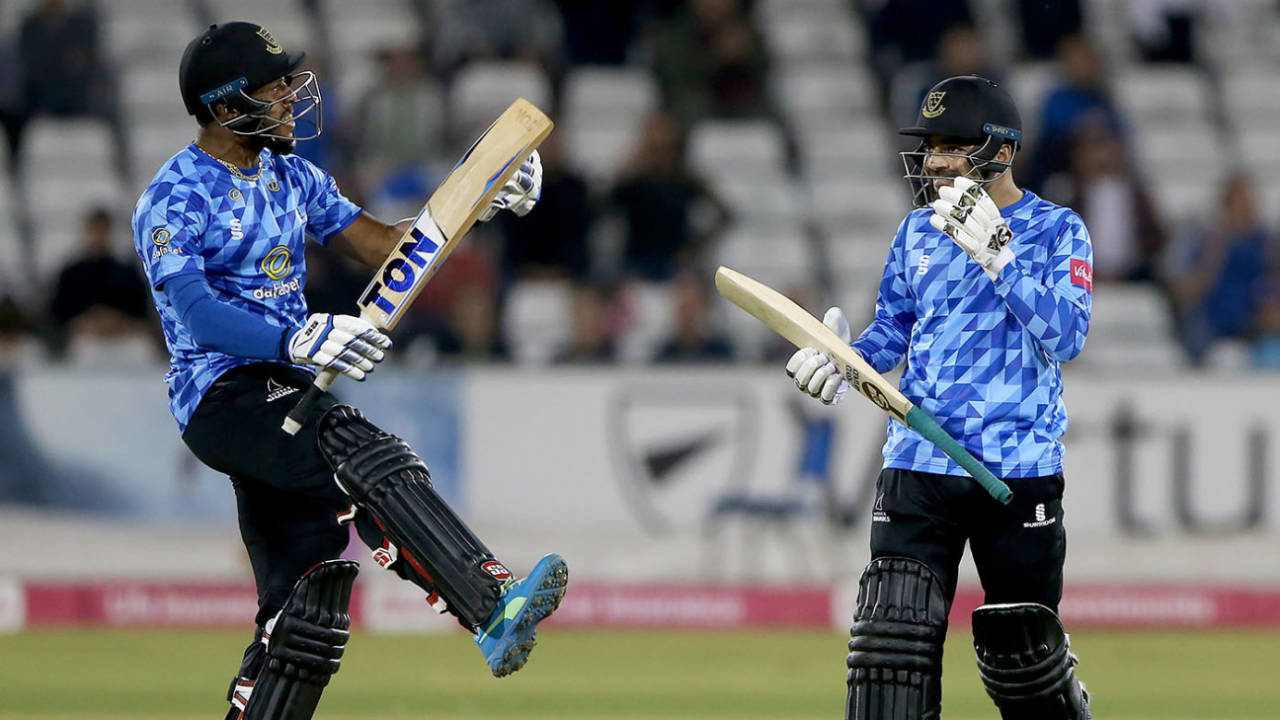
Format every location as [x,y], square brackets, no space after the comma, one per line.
[984,357]
[246,237]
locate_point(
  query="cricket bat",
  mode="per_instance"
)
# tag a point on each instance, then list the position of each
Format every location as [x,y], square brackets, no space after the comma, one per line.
[492,159]
[791,321]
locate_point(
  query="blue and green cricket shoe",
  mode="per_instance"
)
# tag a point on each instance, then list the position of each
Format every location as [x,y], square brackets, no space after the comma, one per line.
[512,630]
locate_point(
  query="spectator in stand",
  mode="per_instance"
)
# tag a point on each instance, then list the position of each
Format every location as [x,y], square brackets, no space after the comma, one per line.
[13,101]
[527,30]
[710,62]
[599,33]
[900,32]
[961,51]
[694,339]
[1128,238]
[1220,277]
[1045,24]
[399,123]
[1165,30]
[551,242]
[659,199]
[65,72]
[1080,97]
[99,295]
[590,339]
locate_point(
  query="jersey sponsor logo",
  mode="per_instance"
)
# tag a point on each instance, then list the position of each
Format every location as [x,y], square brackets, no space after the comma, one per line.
[496,569]
[933,106]
[234,194]
[160,236]
[277,289]
[273,47]
[923,267]
[1082,274]
[273,186]
[237,229]
[278,263]
[1042,518]
[276,390]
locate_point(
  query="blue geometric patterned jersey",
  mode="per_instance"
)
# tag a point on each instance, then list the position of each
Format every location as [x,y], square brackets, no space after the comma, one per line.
[247,237]
[983,357]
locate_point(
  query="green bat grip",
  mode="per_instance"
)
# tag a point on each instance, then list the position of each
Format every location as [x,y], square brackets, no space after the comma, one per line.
[928,427]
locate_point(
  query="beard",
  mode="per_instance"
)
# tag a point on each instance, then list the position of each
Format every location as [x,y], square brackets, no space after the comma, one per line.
[281,146]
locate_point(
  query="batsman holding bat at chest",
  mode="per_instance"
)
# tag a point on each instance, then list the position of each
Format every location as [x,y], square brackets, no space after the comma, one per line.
[986,292]
[221,233]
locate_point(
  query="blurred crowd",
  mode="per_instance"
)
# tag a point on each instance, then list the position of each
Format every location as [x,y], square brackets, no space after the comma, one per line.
[574,281]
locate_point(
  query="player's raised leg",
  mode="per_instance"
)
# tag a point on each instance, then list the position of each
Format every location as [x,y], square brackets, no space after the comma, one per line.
[385,478]
[895,644]
[1026,663]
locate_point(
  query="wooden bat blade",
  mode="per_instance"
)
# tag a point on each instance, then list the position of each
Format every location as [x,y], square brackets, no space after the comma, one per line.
[794,323]
[443,221]
[453,208]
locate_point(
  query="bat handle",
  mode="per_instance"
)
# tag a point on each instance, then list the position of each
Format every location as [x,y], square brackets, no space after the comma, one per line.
[293,422]
[928,427]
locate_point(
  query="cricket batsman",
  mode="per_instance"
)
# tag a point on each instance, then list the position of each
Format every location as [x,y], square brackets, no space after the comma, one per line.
[986,292]
[221,232]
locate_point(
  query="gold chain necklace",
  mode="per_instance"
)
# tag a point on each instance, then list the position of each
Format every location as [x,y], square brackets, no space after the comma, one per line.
[235,170]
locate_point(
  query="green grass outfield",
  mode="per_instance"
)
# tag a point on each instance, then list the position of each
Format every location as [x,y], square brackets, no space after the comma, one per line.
[94,675]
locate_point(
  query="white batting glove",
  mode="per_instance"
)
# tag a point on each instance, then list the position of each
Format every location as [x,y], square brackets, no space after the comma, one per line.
[521,192]
[813,372]
[346,343]
[968,215]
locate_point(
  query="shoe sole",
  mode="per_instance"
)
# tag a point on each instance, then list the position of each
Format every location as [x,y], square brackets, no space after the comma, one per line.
[543,601]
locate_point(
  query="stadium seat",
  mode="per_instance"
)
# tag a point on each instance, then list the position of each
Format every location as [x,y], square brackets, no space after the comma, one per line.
[801,38]
[1131,326]
[781,206]
[771,255]
[599,151]
[858,146]
[744,147]
[650,306]
[609,94]
[535,322]
[1029,83]
[359,29]
[1154,95]
[873,203]
[285,20]
[147,30]
[1174,149]
[482,90]
[823,94]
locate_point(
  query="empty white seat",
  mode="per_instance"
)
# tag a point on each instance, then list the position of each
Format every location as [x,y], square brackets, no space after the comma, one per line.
[1171,149]
[1162,95]
[149,93]
[854,148]
[1029,83]
[599,152]
[768,254]
[869,204]
[142,30]
[799,38]
[823,94]
[80,146]
[284,20]
[482,90]
[774,202]
[535,322]
[609,93]
[741,146]
[651,307]
[1187,197]
[359,29]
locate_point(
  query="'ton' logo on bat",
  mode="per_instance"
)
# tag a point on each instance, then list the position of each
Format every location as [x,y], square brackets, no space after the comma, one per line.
[410,264]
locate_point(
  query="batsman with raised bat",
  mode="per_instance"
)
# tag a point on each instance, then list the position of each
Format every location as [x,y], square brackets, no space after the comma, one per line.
[221,232]
[986,292]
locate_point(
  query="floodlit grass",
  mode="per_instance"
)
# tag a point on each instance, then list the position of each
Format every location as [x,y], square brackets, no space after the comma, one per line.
[96,675]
